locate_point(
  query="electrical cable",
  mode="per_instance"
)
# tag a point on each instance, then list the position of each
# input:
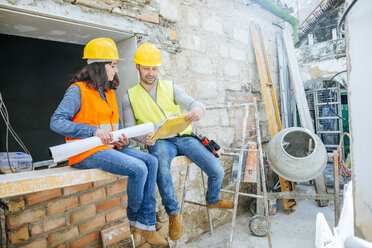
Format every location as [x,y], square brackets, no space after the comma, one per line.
[326,98]
[343,16]
[5,115]
[345,170]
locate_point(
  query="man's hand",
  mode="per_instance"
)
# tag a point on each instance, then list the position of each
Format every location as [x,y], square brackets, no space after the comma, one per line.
[104,135]
[123,141]
[149,142]
[195,114]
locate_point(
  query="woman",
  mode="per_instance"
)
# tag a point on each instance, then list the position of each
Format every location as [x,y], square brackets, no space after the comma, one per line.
[89,108]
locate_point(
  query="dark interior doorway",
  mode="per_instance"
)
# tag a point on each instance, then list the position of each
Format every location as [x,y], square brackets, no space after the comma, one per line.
[34,76]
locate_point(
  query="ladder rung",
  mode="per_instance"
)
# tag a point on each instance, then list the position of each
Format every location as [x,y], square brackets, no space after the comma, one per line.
[324,103]
[318,132]
[328,117]
[241,193]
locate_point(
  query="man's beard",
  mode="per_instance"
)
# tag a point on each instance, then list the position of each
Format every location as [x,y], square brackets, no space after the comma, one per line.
[146,80]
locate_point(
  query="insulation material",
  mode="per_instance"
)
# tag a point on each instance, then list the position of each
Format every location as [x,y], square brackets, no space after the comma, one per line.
[64,151]
[324,237]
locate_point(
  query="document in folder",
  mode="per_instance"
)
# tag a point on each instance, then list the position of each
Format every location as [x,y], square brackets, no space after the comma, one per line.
[171,126]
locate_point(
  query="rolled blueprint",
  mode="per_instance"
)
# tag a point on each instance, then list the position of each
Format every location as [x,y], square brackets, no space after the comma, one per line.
[72,148]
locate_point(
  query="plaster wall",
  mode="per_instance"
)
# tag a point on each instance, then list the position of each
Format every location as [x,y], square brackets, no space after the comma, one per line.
[322,60]
[359,53]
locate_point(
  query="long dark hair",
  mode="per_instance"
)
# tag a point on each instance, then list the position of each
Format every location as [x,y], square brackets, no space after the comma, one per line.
[94,75]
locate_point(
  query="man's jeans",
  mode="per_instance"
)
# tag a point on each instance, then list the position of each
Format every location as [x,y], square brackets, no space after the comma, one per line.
[141,168]
[166,149]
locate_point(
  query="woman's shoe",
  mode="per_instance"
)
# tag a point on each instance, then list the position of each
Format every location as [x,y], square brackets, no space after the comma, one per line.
[152,237]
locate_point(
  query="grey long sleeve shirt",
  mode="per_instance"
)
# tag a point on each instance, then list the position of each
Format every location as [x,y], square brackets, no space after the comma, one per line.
[180,97]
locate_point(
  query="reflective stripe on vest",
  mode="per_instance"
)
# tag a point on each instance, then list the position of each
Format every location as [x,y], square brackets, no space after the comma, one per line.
[145,109]
[96,112]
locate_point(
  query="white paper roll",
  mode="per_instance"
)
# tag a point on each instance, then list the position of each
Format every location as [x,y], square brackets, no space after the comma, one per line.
[72,148]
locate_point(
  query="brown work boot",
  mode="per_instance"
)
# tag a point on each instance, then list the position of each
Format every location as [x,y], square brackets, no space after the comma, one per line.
[225,204]
[175,227]
[152,237]
[158,225]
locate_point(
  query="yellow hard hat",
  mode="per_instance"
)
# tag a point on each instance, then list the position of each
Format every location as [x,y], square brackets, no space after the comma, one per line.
[101,49]
[147,54]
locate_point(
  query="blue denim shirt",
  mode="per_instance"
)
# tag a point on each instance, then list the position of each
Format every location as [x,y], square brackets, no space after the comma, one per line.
[69,106]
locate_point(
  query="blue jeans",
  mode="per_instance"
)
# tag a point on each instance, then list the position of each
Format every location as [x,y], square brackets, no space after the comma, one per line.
[141,168]
[166,149]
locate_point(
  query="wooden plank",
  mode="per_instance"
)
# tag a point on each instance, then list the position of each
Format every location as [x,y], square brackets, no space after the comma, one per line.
[302,106]
[271,104]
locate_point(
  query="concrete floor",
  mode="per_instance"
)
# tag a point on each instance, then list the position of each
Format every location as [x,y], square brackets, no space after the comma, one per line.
[287,231]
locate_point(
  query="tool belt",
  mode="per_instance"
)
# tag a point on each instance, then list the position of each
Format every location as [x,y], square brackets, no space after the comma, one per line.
[211,145]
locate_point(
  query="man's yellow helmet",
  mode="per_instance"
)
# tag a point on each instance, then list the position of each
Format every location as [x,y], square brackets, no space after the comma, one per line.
[147,54]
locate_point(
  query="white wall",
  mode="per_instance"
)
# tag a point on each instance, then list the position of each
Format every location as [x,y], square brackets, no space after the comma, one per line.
[359,51]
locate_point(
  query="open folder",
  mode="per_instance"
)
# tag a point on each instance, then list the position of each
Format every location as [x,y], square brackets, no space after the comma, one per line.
[171,126]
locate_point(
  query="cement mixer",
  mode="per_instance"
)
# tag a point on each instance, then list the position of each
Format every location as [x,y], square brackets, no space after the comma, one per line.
[297,154]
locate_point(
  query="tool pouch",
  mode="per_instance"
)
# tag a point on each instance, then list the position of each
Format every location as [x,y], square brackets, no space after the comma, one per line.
[211,145]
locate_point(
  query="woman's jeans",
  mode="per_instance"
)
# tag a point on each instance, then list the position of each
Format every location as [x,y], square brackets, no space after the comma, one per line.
[166,149]
[141,168]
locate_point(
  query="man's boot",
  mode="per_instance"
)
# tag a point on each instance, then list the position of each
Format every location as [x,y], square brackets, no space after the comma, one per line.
[224,204]
[152,237]
[175,227]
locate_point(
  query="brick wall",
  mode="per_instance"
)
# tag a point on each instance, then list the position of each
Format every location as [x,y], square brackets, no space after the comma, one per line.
[67,217]
[236,116]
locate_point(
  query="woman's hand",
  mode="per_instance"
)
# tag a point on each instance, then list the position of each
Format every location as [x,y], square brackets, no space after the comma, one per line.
[149,142]
[105,136]
[123,141]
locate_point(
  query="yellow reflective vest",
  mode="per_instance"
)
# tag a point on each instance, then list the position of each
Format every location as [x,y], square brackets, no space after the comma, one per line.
[147,110]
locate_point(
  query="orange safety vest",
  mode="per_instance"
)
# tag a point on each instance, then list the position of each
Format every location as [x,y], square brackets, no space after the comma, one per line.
[97,112]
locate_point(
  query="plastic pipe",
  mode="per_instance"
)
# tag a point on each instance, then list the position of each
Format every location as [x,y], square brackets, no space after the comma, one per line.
[65,151]
[279,12]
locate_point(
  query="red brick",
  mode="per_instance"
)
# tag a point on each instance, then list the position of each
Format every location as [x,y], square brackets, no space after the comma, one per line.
[102,182]
[150,17]
[18,236]
[115,234]
[62,246]
[108,225]
[39,243]
[83,213]
[63,235]
[84,241]
[15,203]
[96,246]
[43,196]
[172,34]
[92,224]
[76,188]
[116,188]
[92,196]
[124,199]
[47,226]
[25,217]
[108,204]
[63,205]
[116,214]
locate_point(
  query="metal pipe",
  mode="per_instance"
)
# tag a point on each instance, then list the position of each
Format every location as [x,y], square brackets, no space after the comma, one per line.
[279,12]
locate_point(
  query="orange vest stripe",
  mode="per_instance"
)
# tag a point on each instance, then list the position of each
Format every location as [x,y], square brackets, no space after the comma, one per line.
[95,111]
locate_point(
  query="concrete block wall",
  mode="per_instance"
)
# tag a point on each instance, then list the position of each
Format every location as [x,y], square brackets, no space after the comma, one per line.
[67,217]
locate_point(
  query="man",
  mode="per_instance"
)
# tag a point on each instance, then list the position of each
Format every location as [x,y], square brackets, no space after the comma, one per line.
[154,100]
